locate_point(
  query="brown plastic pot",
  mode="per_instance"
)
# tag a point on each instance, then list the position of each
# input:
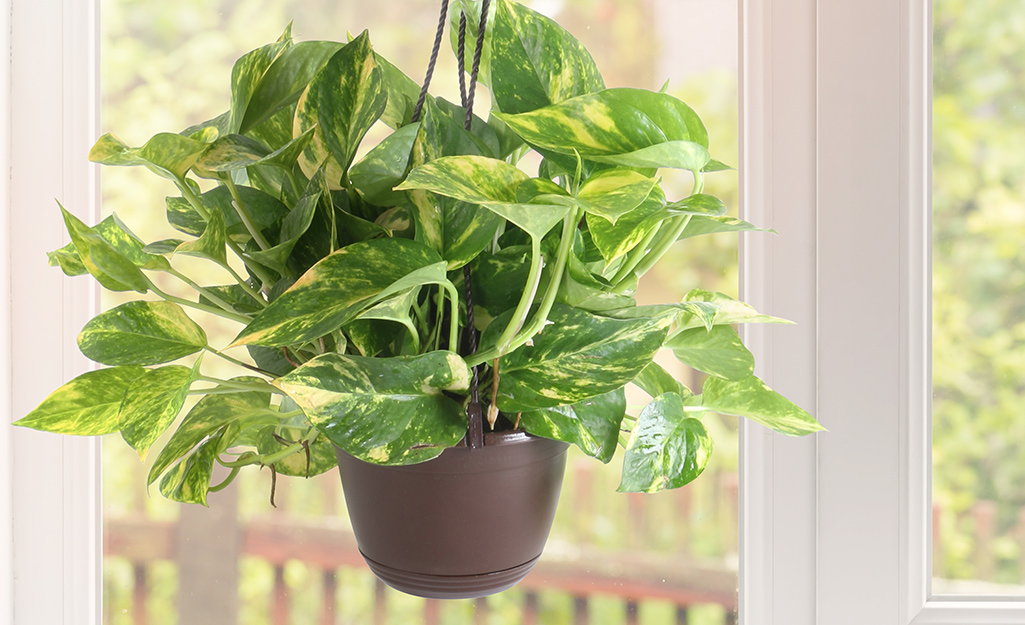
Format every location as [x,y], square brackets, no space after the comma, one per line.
[470,523]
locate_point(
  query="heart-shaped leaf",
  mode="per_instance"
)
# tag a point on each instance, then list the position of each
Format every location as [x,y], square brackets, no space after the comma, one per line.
[109,266]
[535,62]
[614,240]
[151,404]
[725,311]
[614,192]
[211,244]
[717,352]
[700,224]
[592,424]
[87,405]
[209,415]
[577,356]
[189,480]
[335,290]
[383,410]
[698,204]
[666,449]
[752,399]
[247,73]
[141,333]
[654,380]
[384,167]
[264,209]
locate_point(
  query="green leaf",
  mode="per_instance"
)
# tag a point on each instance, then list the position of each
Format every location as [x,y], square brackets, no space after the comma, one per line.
[384,167]
[654,380]
[115,232]
[614,240]
[68,260]
[343,100]
[579,355]
[666,448]
[674,154]
[189,480]
[383,410]
[614,192]
[698,204]
[717,352]
[87,405]
[247,73]
[230,153]
[167,154]
[286,79]
[457,230]
[235,296]
[613,123]
[725,309]
[163,247]
[109,266]
[211,244]
[335,290]
[286,156]
[592,424]
[151,404]
[141,333]
[210,414]
[535,62]
[700,224]
[473,179]
[402,91]
[752,399]
[263,208]
[294,226]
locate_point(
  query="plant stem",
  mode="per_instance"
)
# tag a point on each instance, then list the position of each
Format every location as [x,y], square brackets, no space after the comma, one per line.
[526,300]
[635,256]
[228,480]
[238,362]
[248,288]
[190,195]
[242,386]
[244,319]
[210,295]
[665,241]
[243,214]
[541,316]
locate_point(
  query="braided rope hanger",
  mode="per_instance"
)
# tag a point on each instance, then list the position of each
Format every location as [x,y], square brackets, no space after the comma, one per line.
[475,415]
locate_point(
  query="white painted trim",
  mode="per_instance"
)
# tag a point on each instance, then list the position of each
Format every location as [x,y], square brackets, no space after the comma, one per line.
[778,276]
[6,442]
[55,480]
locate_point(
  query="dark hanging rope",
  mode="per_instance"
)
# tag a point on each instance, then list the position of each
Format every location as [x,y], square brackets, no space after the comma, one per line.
[461,61]
[434,60]
[484,8]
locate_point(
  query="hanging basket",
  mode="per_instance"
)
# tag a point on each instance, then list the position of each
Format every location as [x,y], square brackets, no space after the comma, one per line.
[470,523]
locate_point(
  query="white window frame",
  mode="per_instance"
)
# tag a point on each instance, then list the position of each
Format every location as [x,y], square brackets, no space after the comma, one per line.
[50,531]
[836,136]
[835,142]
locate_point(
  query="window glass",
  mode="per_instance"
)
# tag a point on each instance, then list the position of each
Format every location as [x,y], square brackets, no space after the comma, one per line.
[978,297]
[612,558]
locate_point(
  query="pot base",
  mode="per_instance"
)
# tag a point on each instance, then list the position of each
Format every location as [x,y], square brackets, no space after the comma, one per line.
[450,586]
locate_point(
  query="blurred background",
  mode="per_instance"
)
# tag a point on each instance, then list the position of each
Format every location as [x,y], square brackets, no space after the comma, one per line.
[612,558]
[978,297]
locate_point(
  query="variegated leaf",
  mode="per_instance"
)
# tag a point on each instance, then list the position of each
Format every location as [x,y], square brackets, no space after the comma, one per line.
[234,295]
[335,290]
[264,209]
[654,380]
[579,355]
[666,449]
[294,226]
[609,123]
[141,333]
[189,480]
[383,410]
[700,224]
[109,266]
[717,352]
[725,311]
[285,79]
[384,167]
[698,204]
[209,415]
[752,399]
[402,91]
[673,154]
[614,240]
[535,62]
[247,73]
[167,154]
[229,153]
[347,96]
[117,234]
[211,244]
[321,458]
[592,424]
[474,179]
[614,192]
[151,404]
[87,405]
